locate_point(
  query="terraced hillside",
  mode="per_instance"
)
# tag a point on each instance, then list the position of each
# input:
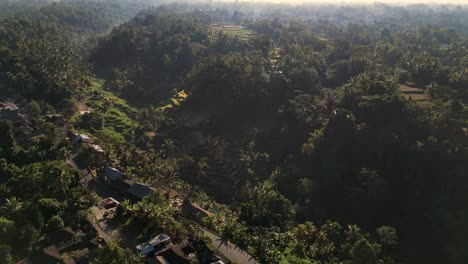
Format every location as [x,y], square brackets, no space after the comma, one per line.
[414,94]
[116,116]
[232,30]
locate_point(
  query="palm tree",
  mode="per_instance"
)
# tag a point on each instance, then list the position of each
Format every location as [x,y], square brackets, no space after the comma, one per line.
[353,233]
[127,207]
[329,103]
[305,234]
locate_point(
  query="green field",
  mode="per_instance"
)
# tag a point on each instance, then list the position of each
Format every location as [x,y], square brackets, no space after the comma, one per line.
[232,30]
[115,110]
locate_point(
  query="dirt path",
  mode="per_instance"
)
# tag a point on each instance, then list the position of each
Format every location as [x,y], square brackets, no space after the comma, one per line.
[93,221]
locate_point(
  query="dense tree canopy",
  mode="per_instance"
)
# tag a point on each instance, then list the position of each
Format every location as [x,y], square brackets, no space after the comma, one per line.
[330,134]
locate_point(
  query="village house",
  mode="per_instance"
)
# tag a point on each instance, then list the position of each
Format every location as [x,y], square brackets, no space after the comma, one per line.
[121,186]
[96,148]
[56,119]
[64,242]
[85,112]
[108,203]
[47,255]
[144,249]
[78,138]
[161,239]
[59,240]
[161,260]
[193,211]
[140,190]
[111,174]
[151,245]
[171,254]
[9,111]
[63,238]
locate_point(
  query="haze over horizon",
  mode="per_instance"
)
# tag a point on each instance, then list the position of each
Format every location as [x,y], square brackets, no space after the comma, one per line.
[398,2]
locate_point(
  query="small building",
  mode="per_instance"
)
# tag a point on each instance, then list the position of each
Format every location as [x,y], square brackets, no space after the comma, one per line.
[173,255]
[121,186]
[109,203]
[111,174]
[140,190]
[161,260]
[96,148]
[9,111]
[55,119]
[159,240]
[193,211]
[151,245]
[144,249]
[82,138]
[47,255]
[62,238]
[85,112]
[78,138]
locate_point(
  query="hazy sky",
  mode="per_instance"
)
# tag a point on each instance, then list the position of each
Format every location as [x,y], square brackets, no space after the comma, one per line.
[365,1]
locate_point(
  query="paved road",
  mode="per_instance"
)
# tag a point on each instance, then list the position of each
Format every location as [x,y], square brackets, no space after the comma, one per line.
[229,250]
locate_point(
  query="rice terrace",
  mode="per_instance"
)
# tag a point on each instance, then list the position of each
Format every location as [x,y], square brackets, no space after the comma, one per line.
[231,30]
[414,93]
